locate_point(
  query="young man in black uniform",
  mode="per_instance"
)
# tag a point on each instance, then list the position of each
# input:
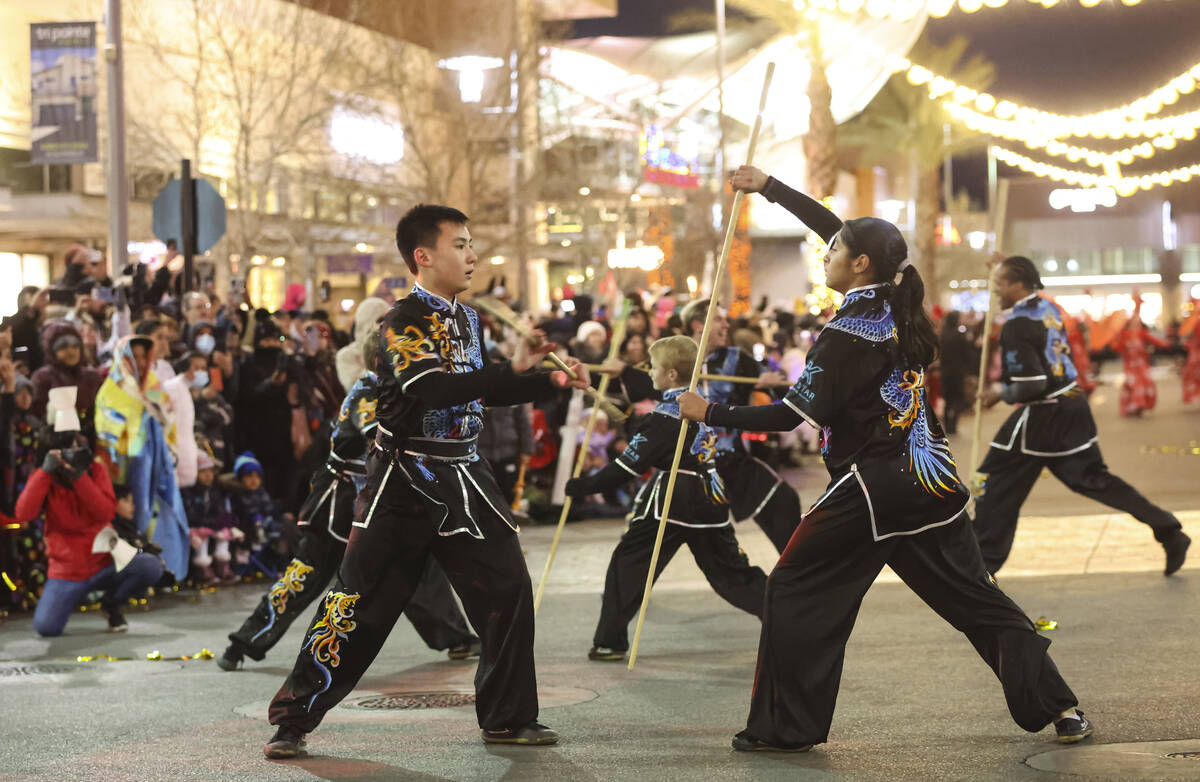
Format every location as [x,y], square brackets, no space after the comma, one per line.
[753,489]
[325,519]
[429,494]
[699,514]
[1052,426]
[894,498]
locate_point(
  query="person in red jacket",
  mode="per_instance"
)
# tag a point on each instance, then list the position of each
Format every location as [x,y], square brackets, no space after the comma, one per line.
[77,496]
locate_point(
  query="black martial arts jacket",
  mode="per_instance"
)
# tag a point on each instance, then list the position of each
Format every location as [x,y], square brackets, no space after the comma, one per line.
[1052,417]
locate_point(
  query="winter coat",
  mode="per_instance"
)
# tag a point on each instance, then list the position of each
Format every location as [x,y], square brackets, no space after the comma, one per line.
[73,518]
[54,373]
[350,365]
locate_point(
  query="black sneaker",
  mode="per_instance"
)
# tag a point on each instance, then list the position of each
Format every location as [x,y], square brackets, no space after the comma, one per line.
[468,650]
[1176,549]
[230,660]
[532,734]
[744,742]
[288,742]
[1072,729]
[116,619]
[604,654]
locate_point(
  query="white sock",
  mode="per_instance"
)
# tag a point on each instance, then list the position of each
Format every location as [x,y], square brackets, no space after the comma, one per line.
[1071,712]
[221,550]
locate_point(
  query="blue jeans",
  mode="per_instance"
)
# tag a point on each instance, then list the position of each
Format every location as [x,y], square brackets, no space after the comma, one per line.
[60,596]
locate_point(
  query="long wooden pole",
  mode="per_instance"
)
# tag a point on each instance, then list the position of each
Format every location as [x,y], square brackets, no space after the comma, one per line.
[599,369]
[617,336]
[999,209]
[701,354]
[501,312]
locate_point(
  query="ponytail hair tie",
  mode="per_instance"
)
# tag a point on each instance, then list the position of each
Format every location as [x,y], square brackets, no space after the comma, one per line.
[903,265]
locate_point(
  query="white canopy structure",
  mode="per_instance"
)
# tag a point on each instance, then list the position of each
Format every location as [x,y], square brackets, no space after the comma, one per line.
[680,72]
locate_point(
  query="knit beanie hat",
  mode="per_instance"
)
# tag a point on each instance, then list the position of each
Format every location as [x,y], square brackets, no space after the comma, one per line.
[246,462]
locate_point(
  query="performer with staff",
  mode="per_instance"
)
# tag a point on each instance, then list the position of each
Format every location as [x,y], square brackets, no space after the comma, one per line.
[1052,426]
[698,517]
[894,498]
[429,494]
[325,519]
[753,489]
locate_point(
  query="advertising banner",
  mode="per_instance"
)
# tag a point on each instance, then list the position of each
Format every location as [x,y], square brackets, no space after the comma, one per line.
[63,71]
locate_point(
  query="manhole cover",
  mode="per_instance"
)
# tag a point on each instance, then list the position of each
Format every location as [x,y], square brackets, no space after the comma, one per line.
[15,670]
[416,700]
[1148,760]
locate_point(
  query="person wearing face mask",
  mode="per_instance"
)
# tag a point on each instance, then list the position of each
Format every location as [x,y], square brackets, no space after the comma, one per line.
[204,339]
[191,379]
[75,494]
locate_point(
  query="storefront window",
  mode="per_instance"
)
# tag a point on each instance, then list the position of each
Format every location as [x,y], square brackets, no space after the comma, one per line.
[18,270]
[265,285]
[1190,257]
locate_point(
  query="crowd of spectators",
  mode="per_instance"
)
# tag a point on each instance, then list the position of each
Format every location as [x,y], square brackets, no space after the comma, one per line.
[189,423]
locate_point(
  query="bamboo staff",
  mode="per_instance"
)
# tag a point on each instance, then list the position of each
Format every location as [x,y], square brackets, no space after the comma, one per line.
[617,335]
[503,313]
[600,369]
[730,229]
[976,486]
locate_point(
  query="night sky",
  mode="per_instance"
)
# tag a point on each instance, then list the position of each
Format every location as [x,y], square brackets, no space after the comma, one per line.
[1066,59]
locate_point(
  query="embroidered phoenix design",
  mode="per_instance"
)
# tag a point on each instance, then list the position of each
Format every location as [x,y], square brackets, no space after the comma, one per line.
[929,456]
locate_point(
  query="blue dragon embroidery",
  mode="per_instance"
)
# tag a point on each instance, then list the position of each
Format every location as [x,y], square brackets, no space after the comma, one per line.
[928,455]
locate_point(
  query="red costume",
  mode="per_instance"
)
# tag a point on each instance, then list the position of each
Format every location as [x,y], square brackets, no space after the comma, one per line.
[1191,370]
[1138,393]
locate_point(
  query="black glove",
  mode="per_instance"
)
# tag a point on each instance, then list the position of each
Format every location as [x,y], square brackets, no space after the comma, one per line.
[577,487]
[52,462]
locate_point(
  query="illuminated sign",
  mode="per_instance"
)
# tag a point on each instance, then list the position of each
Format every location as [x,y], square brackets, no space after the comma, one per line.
[647,258]
[664,165]
[1083,199]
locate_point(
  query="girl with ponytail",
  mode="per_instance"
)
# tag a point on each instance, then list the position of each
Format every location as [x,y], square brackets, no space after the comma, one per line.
[894,498]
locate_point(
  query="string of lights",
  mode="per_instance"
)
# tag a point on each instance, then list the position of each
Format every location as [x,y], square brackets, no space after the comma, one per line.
[1033,138]
[1124,185]
[1133,120]
[904,10]
[940,8]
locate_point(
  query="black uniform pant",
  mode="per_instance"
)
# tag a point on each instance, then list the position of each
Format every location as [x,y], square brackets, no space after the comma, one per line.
[433,611]
[756,491]
[1010,478]
[378,577]
[813,597]
[717,554]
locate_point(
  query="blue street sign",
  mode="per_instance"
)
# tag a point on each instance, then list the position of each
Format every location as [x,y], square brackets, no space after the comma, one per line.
[210,214]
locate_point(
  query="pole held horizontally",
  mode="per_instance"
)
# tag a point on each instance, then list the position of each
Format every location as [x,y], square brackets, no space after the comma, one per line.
[617,336]
[505,315]
[600,368]
[701,355]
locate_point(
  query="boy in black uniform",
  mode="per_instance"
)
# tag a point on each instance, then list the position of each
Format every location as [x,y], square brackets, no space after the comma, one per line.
[699,513]
[753,489]
[1051,427]
[325,519]
[429,494]
[894,498]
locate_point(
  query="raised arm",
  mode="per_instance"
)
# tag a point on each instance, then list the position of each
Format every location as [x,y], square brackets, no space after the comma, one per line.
[809,211]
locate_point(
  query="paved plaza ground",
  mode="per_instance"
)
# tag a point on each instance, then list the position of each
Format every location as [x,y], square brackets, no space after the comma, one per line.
[916,702]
